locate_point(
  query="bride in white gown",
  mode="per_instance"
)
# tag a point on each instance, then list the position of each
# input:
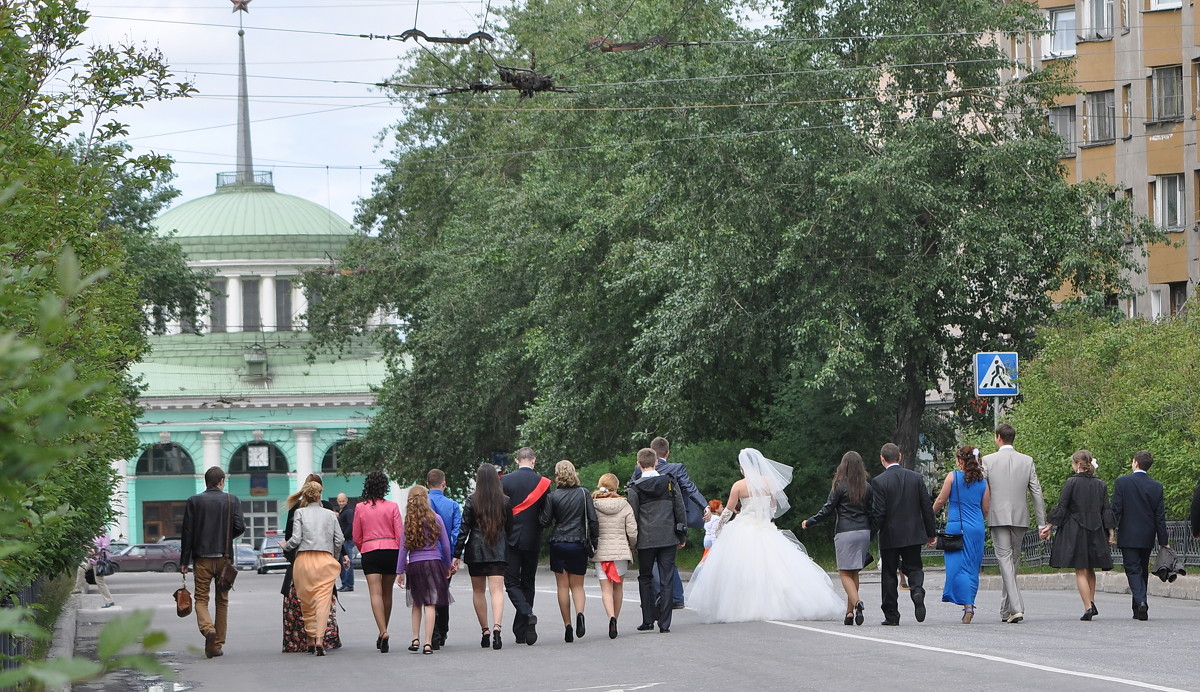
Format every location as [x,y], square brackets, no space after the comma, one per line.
[754,571]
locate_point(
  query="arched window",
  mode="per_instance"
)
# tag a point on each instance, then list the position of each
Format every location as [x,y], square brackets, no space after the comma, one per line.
[165,460]
[258,457]
[330,464]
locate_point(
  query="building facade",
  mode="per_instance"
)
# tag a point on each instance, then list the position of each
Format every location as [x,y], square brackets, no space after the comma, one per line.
[1137,66]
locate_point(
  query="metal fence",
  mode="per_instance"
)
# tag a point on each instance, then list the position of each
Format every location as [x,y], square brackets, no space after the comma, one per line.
[13,648]
[1036,552]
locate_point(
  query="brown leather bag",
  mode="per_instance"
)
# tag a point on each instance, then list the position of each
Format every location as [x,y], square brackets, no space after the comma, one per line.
[226,576]
[183,600]
[228,572]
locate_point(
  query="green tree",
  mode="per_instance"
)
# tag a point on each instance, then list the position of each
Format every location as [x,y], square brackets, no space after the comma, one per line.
[1100,385]
[701,241]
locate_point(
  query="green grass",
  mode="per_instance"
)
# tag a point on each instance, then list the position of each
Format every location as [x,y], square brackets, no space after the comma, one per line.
[46,611]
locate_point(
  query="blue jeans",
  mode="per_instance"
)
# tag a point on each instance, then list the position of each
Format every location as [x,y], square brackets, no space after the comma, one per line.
[348,572]
[676,586]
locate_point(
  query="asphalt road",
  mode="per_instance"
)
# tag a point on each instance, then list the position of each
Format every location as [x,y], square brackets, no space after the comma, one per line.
[1052,649]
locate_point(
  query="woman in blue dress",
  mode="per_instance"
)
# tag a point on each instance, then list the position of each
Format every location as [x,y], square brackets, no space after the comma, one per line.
[965,492]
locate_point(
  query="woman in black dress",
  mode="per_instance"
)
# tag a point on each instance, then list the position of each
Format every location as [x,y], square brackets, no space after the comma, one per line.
[486,522]
[1085,529]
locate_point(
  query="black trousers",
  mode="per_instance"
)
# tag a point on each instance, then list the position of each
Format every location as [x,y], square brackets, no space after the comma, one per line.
[519,577]
[1136,562]
[664,560]
[441,621]
[907,560]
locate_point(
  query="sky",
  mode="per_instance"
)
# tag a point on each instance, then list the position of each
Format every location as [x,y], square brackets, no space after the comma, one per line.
[321,139]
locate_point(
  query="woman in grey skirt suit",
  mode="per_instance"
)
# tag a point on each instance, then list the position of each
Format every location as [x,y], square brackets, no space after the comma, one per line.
[850,500]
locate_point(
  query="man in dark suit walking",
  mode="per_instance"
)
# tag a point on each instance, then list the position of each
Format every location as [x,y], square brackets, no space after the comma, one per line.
[526,490]
[694,504]
[1141,516]
[902,513]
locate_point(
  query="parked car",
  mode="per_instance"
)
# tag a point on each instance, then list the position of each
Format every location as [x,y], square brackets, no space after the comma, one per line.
[172,540]
[244,557]
[270,554]
[147,557]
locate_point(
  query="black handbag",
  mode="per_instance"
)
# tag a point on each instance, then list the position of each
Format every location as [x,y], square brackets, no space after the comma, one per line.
[946,541]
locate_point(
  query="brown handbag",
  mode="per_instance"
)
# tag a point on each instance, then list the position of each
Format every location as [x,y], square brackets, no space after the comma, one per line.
[228,572]
[183,599]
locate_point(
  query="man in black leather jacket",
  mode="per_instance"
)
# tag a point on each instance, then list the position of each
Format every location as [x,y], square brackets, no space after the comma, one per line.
[211,520]
[657,504]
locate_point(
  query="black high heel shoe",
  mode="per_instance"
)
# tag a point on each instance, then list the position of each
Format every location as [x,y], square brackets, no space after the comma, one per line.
[427,649]
[1093,610]
[486,640]
[383,644]
[858,613]
[849,619]
[378,642]
[496,643]
[415,645]
[579,625]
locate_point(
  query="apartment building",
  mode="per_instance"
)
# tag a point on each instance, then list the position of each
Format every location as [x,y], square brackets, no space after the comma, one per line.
[1137,66]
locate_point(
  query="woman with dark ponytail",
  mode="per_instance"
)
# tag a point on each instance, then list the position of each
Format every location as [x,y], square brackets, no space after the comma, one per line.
[486,521]
[966,494]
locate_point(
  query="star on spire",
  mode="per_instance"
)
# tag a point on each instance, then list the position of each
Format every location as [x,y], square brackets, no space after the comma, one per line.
[241,5]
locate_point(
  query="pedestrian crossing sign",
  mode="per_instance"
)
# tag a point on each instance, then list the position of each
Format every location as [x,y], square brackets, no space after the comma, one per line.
[996,374]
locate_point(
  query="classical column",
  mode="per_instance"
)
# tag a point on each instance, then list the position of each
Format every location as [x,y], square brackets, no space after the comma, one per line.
[212,455]
[299,305]
[121,523]
[304,454]
[266,303]
[233,303]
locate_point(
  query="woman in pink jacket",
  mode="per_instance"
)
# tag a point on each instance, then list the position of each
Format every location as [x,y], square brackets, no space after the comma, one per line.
[378,529]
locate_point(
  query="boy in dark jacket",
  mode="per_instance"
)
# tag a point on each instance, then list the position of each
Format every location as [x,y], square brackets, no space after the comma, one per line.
[657,503]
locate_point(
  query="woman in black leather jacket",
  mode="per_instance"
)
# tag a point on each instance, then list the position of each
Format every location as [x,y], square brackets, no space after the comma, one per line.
[486,522]
[850,500]
[572,542]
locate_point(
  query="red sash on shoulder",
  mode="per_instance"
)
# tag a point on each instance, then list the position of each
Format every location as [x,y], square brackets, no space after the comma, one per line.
[532,497]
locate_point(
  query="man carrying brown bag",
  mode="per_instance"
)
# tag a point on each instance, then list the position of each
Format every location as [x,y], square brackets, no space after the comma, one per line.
[211,520]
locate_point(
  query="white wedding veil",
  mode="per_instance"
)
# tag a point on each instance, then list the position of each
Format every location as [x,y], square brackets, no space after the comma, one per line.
[766,477]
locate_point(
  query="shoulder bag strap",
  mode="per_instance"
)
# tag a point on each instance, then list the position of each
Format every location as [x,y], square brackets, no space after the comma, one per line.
[954,496]
[586,538]
[229,525]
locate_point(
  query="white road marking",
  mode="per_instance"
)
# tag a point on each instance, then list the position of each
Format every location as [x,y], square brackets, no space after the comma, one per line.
[986,657]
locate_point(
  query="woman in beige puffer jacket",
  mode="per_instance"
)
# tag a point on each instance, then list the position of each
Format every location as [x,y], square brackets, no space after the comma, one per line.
[618,536]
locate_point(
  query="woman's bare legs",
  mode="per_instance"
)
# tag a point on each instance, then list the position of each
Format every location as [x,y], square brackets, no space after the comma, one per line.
[496,587]
[575,582]
[561,580]
[1085,582]
[618,596]
[479,599]
[380,588]
[607,596]
[849,579]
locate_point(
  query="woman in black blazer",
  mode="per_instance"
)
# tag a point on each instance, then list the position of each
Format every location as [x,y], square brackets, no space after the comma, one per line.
[850,500]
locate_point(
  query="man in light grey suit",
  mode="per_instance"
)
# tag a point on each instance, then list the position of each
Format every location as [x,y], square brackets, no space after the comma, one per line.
[1010,476]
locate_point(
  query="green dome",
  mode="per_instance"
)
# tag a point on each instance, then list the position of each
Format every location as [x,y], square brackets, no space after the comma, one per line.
[252,221]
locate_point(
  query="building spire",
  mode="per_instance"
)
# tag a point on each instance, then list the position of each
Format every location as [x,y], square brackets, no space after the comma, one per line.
[245,158]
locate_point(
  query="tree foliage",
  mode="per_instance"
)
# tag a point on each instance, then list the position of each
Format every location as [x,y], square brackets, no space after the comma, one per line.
[1115,388]
[705,241]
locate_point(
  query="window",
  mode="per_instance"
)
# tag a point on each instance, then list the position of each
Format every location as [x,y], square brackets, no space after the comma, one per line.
[1062,123]
[260,517]
[1168,201]
[251,316]
[167,460]
[1097,19]
[283,305]
[1156,306]
[1166,92]
[1101,117]
[1178,296]
[261,457]
[218,321]
[1127,110]
[1061,40]
[1165,4]
[1125,14]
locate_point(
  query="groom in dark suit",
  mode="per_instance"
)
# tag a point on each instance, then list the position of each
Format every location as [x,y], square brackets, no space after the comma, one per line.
[1141,516]
[902,514]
